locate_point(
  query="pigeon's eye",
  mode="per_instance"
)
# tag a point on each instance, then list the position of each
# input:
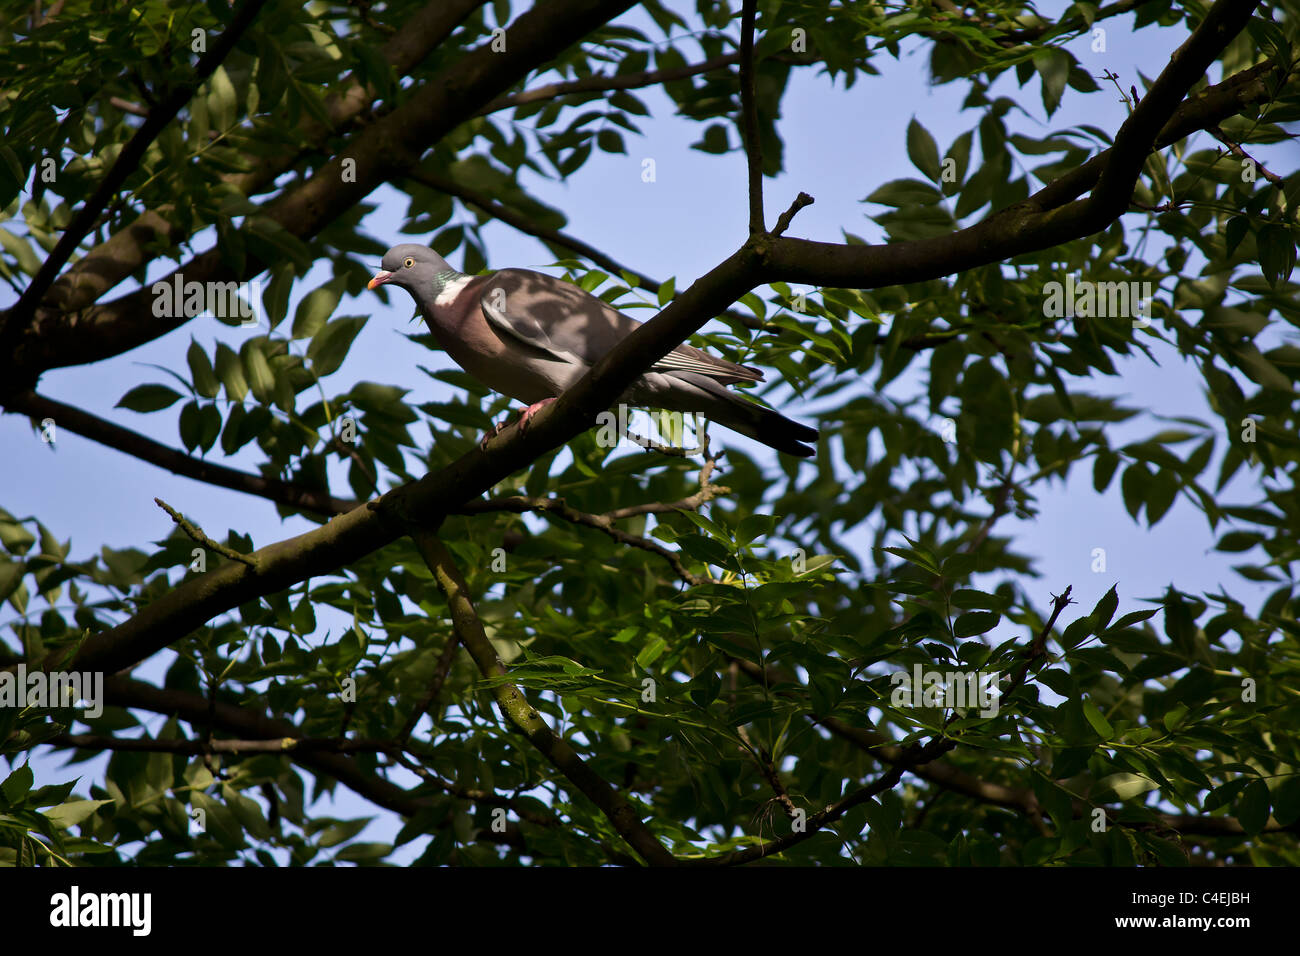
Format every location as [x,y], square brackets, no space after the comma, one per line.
[408,262]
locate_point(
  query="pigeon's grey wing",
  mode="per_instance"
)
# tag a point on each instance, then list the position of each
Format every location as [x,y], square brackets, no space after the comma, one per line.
[561,319]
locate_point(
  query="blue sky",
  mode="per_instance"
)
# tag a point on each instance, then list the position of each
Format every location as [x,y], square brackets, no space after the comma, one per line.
[840,145]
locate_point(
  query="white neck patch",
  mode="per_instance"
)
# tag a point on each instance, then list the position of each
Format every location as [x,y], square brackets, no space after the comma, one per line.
[451,290]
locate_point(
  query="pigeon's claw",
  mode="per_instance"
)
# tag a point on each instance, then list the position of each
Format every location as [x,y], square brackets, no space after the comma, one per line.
[524,419]
[532,410]
[492,433]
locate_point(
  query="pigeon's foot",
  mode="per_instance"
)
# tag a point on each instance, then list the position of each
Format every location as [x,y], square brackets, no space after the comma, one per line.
[524,419]
[492,433]
[532,410]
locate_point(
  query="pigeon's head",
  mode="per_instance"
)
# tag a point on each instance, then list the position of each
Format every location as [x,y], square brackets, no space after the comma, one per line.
[413,267]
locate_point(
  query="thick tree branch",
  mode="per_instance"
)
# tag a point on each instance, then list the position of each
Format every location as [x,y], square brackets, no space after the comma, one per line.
[1137,136]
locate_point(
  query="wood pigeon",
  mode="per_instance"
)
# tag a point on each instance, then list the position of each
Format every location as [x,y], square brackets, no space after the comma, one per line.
[531,336]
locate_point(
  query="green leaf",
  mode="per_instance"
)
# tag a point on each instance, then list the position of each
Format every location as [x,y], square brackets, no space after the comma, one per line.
[667,290]
[1235,541]
[148,398]
[1098,721]
[715,140]
[1053,66]
[1286,801]
[201,373]
[651,652]
[975,622]
[316,306]
[16,785]
[905,192]
[231,373]
[922,150]
[73,812]
[1126,786]
[1134,617]
[190,426]
[329,347]
[1276,253]
[1174,716]
[1105,608]
[754,526]
[275,300]
[1234,232]
[1252,806]
[611,141]
[1103,469]
[257,368]
[222,100]
[1134,485]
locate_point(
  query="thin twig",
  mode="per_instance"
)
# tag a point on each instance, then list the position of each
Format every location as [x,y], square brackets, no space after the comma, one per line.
[195,532]
[749,118]
[1038,646]
[1235,148]
[783,221]
[445,660]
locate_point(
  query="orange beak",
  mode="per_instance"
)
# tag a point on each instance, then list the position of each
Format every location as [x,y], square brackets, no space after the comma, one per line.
[379,279]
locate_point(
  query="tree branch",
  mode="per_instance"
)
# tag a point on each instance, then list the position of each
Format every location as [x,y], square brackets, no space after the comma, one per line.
[516,709]
[1137,136]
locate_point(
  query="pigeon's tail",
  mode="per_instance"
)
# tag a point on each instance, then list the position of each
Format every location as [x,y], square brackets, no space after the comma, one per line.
[757,422]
